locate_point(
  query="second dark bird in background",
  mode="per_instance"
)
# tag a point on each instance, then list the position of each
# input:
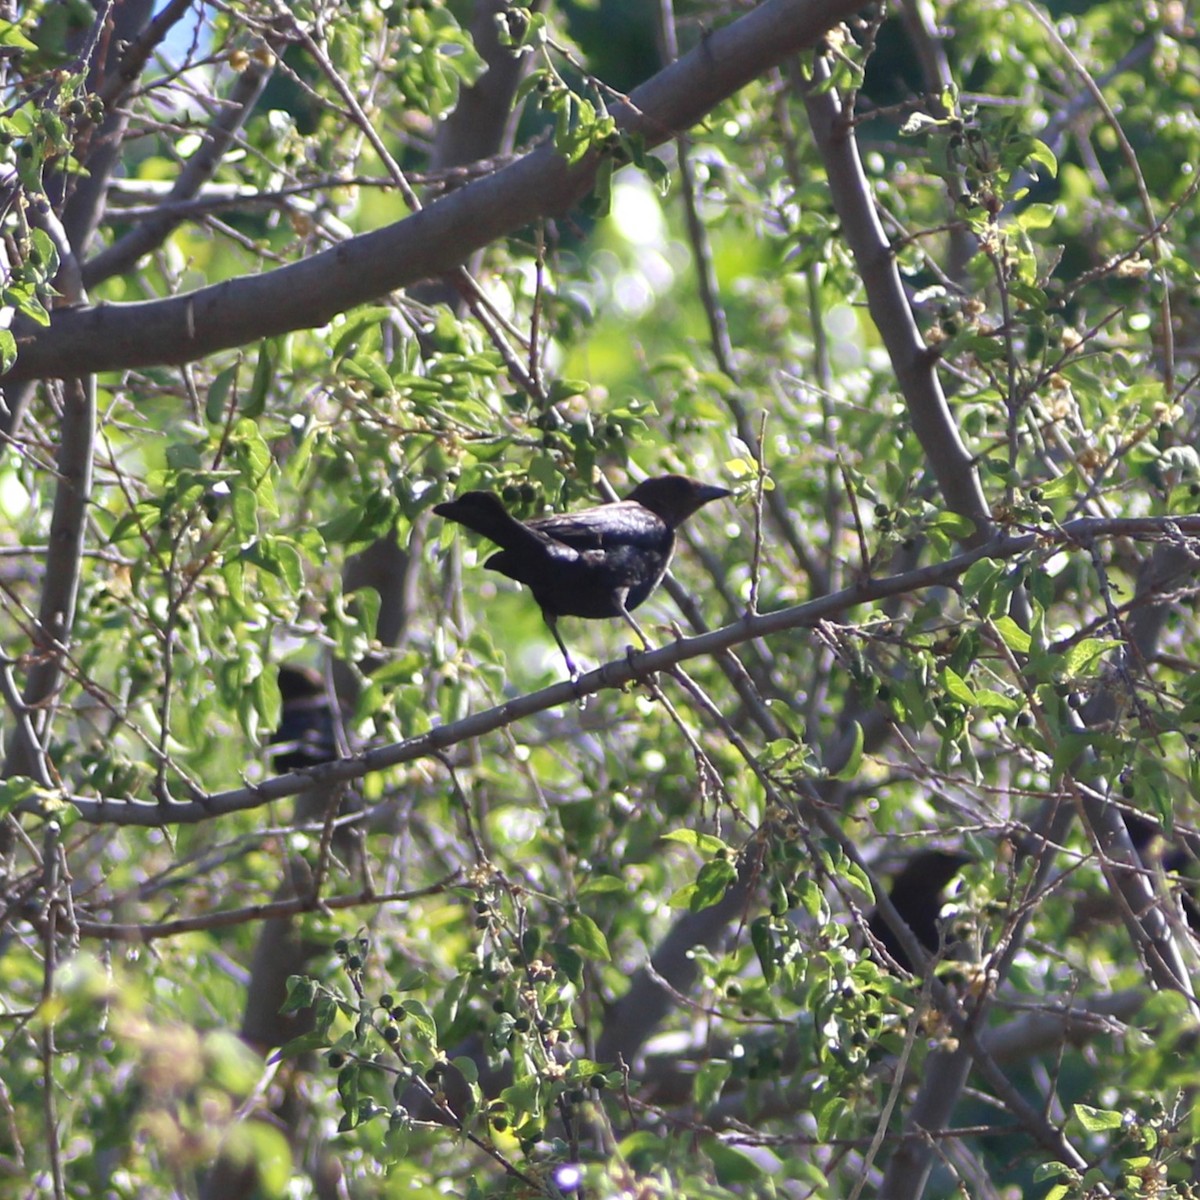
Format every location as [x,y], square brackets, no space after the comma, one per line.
[594,563]
[306,736]
[917,894]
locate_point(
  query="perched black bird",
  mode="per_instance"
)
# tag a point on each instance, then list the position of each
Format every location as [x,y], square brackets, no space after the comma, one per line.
[916,894]
[597,562]
[306,735]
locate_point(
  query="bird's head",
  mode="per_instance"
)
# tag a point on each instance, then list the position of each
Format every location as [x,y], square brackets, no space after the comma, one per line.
[481,504]
[675,497]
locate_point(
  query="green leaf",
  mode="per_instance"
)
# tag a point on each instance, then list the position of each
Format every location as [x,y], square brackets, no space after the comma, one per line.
[420,1021]
[763,941]
[603,885]
[1037,216]
[705,843]
[956,687]
[709,1082]
[731,1165]
[1041,154]
[567,960]
[564,389]
[301,992]
[218,395]
[979,583]
[585,935]
[1015,638]
[11,35]
[1087,657]
[712,883]
[255,402]
[1065,486]
[1050,1170]
[954,524]
[1095,1120]
[245,511]
[854,760]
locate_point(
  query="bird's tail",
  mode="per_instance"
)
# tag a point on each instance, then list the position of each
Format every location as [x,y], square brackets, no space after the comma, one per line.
[484,513]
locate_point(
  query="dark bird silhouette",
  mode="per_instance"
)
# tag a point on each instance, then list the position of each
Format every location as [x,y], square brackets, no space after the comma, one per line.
[306,735]
[916,892]
[597,562]
[1178,859]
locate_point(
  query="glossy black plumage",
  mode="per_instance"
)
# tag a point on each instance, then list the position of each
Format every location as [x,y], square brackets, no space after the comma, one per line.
[306,735]
[597,562]
[916,892]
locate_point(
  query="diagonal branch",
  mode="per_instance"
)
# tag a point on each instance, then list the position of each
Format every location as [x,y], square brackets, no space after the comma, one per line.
[626,670]
[912,361]
[426,244]
[200,168]
[56,613]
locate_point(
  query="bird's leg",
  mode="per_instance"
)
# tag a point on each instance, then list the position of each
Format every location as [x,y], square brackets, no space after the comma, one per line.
[629,621]
[552,622]
[625,614]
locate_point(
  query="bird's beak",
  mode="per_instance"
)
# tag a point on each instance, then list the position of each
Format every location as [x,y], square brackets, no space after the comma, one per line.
[710,491]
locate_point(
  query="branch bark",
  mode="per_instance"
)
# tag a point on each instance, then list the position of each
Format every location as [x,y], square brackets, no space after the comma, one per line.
[426,244]
[915,366]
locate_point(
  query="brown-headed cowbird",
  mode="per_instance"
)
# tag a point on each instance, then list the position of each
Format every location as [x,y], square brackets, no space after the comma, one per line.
[306,736]
[916,894]
[597,562]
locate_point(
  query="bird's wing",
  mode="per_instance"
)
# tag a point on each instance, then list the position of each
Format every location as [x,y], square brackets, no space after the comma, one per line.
[624,523]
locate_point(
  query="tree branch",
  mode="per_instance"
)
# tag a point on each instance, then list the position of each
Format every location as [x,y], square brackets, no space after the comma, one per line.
[426,244]
[914,364]
[625,670]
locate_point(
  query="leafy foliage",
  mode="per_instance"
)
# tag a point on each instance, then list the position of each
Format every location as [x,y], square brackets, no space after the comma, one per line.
[621,946]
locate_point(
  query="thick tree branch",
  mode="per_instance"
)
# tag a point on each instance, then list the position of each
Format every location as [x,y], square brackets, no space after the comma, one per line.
[915,367]
[56,612]
[426,244]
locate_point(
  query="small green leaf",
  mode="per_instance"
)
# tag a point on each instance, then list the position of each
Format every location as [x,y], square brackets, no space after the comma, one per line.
[1040,153]
[564,389]
[955,524]
[705,843]
[763,941]
[301,992]
[1050,1170]
[1063,487]
[1015,638]
[420,1021]
[603,885]
[731,1165]
[854,761]
[1095,1120]
[710,1080]
[1086,657]
[11,35]
[1037,216]
[585,934]
[712,883]
[957,688]
[218,395]
[264,371]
